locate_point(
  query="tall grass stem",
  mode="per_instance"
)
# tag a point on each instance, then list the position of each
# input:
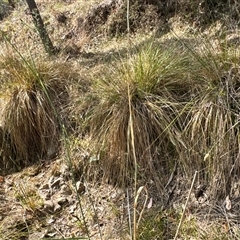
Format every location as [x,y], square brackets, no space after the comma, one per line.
[185,206]
[135,162]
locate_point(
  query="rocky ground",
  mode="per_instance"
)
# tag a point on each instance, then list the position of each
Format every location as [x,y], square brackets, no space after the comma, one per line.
[43,202]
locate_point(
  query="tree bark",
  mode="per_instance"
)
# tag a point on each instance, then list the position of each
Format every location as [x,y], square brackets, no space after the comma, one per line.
[38,22]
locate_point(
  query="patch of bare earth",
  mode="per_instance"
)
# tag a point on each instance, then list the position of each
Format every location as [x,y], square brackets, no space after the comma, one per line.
[42,202]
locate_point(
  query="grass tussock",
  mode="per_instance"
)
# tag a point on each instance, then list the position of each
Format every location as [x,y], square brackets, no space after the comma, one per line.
[156,81]
[185,106]
[166,111]
[32,95]
[212,130]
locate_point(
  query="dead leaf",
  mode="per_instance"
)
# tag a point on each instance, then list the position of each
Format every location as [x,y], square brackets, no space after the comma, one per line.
[228,203]
[150,203]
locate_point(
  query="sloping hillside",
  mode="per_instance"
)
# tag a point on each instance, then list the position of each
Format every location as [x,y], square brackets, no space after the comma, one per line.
[129,131]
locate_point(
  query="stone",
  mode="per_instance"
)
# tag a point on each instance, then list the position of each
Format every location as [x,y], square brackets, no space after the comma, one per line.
[49,206]
[57,207]
[61,200]
[65,190]
[80,187]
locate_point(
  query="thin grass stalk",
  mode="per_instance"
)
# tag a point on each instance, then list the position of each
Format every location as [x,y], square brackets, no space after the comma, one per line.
[129,213]
[145,202]
[128,25]
[135,163]
[185,206]
[132,139]
[134,232]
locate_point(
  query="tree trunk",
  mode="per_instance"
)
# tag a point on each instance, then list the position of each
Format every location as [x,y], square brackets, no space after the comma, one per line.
[49,48]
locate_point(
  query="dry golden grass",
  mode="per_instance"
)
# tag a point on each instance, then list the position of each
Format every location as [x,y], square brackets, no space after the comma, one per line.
[212,130]
[156,81]
[33,93]
[184,112]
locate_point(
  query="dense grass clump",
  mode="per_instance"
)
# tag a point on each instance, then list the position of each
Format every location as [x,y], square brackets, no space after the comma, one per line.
[32,93]
[153,84]
[182,104]
[213,128]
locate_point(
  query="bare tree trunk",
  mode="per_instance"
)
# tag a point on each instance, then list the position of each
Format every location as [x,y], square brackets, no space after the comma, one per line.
[49,48]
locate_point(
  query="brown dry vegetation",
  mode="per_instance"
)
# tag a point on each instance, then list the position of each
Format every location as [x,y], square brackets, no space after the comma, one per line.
[102,140]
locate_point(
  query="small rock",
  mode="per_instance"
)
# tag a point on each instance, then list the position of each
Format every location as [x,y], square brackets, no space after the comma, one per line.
[9,183]
[44,186]
[72,208]
[57,207]
[48,233]
[80,187]
[50,220]
[65,190]
[61,18]
[36,235]
[49,206]
[61,200]
[45,194]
